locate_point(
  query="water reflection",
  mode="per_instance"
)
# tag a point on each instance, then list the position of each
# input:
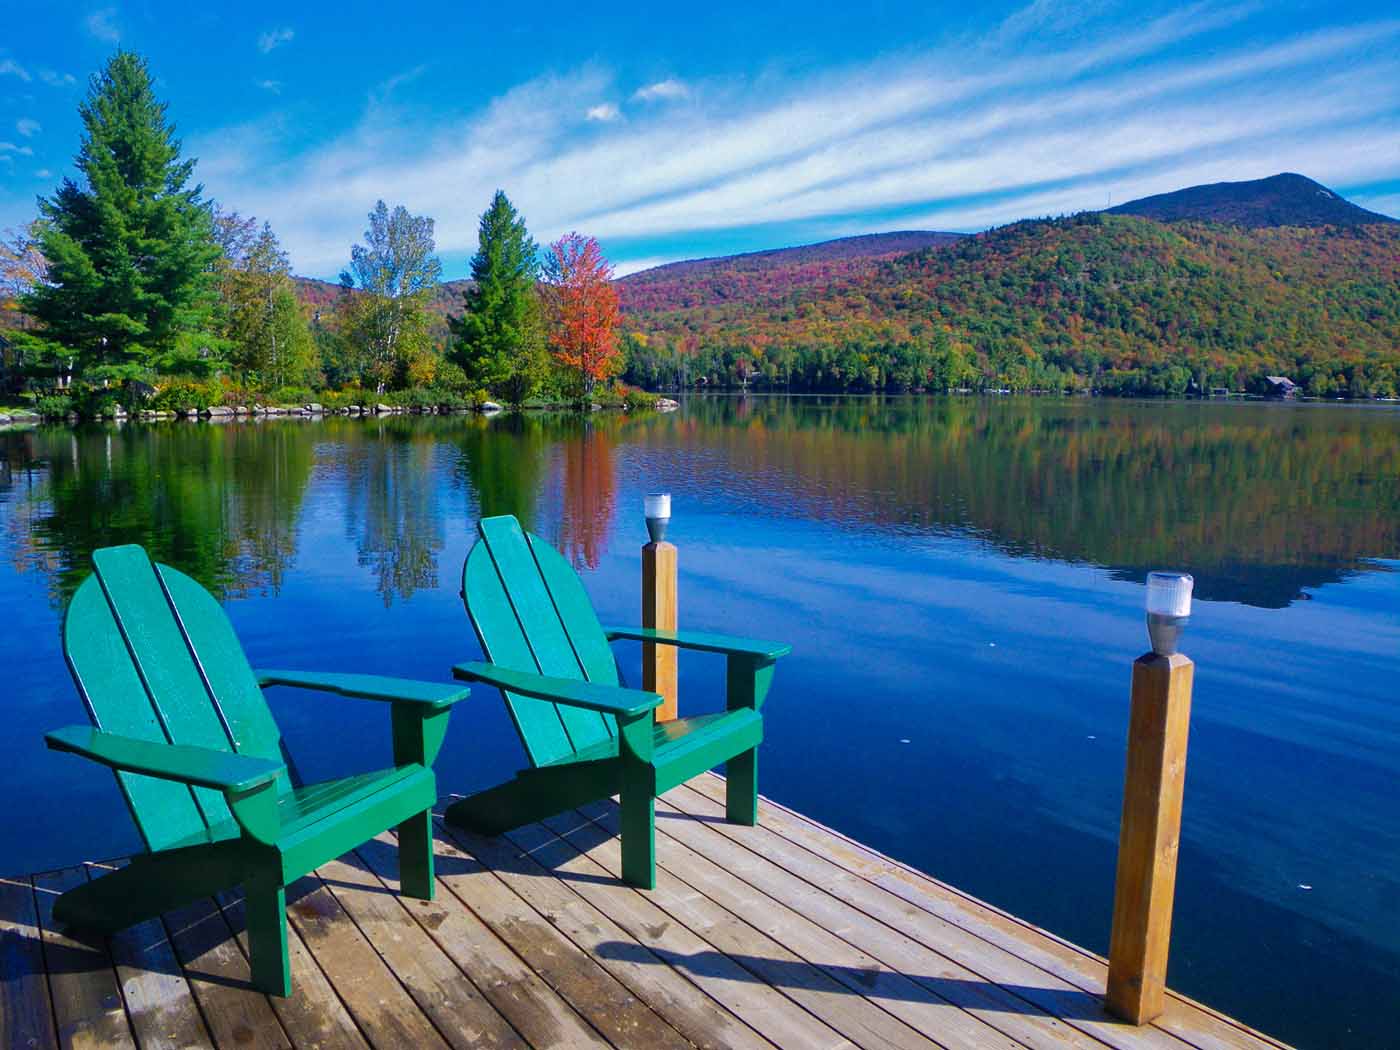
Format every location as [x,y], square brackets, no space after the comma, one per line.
[392,509]
[590,484]
[941,555]
[1261,502]
[220,502]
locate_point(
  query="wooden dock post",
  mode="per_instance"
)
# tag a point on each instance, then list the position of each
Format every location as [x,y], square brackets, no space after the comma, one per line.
[1150,836]
[659,612]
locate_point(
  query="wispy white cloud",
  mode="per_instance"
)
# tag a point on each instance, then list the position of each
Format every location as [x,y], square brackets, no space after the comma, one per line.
[43,173]
[274,86]
[55,79]
[28,127]
[662,91]
[916,141]
[21,151]
[9,67]
[622,269]
[102,25]
[275,38]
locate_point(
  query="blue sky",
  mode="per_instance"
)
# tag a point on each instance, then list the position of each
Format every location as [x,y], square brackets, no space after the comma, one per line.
[673,131]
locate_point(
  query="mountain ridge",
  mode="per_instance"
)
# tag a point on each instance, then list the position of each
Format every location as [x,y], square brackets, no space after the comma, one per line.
[1285,199]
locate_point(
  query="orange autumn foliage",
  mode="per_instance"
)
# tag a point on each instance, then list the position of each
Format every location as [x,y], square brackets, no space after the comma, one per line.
[583,308]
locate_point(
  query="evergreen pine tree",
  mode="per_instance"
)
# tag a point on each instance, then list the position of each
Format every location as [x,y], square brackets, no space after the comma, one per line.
[130,253]
[499,339]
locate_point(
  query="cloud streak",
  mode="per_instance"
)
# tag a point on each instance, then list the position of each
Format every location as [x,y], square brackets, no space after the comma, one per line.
[102,25]
[662,91]
[901,142]
[275,38]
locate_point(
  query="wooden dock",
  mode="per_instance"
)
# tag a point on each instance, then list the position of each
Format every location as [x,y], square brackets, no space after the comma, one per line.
[786,935]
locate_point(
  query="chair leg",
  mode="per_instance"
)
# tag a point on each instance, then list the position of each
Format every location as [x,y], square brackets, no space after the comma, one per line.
[265,904]
[416,856]
[639,838]
[741,788]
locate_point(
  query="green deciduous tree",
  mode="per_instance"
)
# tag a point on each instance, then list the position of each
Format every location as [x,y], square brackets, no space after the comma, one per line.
[388,285]
[271,340]
[130,252]
[499,339]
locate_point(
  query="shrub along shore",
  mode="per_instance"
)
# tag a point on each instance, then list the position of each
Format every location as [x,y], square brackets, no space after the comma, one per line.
[190,401]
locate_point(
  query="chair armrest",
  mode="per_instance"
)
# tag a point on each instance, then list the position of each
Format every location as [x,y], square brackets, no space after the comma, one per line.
[709,643]
[572,692]
[201,766]
[368,687]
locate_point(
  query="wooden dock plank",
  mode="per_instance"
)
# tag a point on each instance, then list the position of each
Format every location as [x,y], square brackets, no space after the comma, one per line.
[783,935]
[712,974]
[26,1012]
[159,1003]
[966,1011]
[997,986]
[87,1003]
[443,992]
[1189,1021]
[235,1013]
[558,932]
[693,904]
[535,1009]
[314,1014]
[381,1007]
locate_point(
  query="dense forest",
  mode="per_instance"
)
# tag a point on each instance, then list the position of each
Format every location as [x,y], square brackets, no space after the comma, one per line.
[1110,303]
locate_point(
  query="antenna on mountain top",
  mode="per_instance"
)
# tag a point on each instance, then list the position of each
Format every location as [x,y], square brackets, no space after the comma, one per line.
[1110,199]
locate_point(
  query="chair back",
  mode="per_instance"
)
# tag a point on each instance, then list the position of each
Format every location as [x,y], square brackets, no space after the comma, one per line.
[155,657]
[531,613]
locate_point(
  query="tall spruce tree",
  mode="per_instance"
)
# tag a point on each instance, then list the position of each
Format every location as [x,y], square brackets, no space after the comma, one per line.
[130,251]
[499,339]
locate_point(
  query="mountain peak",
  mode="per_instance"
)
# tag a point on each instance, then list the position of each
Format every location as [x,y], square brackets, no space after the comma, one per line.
[1286,199]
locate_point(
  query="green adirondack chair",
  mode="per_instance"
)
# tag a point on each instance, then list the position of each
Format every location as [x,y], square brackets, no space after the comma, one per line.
[587,737]
[179,716]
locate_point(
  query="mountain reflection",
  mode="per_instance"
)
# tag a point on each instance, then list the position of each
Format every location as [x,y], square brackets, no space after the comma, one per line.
[1261,502]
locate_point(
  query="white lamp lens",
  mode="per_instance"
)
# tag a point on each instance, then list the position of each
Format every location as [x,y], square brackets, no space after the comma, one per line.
[657,504]
[1169,593]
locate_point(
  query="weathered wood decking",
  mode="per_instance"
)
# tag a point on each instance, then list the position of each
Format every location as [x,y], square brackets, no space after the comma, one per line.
[786,935]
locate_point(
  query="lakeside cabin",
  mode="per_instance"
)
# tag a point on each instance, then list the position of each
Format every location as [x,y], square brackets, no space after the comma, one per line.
[1281,388]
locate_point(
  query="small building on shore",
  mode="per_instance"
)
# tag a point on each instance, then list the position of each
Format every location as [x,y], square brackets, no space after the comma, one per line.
[1280,388]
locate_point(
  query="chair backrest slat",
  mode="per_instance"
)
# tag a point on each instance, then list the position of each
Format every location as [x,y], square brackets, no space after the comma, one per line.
[575,611]
[117,701]
[155,657]
[525,625]
[219,656]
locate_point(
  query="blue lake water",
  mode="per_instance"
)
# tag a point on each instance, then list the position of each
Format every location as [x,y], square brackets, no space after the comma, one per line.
[962,584]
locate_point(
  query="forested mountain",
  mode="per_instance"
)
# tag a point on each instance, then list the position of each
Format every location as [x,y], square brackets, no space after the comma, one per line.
[700,282]
[1222,286]
[1113,303]
[1280,200]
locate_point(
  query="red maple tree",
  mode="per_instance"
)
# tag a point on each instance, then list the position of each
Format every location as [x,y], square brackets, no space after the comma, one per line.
[583,308]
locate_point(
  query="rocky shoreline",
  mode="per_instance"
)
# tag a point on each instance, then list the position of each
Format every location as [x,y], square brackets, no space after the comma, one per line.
[310,410]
